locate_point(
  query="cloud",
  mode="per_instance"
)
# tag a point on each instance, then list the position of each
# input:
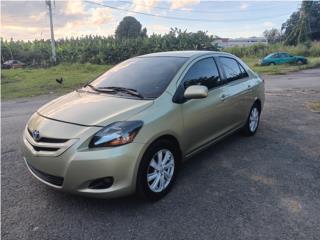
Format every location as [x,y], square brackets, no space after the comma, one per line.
[93,23]
[29,20]
[74,7]
[38,17]
[268,24]
[244,6]
[101,16]
[177,4]
[187,9]
[23,32]
[144,5]
[158,28]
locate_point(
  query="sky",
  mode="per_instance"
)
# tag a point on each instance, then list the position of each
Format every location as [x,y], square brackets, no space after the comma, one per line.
[28,20]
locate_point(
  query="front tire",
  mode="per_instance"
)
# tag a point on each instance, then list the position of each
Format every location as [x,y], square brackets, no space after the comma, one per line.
[158,170]
[253,120]
[300,62]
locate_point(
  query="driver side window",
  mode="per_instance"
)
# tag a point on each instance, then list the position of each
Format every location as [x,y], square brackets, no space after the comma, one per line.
[204,72]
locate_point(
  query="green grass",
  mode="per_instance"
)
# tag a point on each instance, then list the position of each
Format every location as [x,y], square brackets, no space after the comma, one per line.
[16,83]
[28,82]
[313,62]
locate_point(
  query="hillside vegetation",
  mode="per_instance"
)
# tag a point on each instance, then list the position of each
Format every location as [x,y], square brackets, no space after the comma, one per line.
[109,50]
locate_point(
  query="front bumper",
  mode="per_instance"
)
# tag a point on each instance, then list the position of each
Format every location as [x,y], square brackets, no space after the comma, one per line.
[77,167]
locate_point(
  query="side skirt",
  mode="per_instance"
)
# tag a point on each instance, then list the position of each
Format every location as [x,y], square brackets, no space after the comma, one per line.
[212,142]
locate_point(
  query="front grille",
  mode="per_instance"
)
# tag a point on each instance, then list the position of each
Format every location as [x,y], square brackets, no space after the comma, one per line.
[46,149]
[54,180]
[46,146]
[49,140]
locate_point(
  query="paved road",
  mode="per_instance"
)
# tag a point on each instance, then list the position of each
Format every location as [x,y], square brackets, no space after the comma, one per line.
[265,187]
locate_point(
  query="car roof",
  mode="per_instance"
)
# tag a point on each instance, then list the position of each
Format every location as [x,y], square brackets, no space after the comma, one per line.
[186,54]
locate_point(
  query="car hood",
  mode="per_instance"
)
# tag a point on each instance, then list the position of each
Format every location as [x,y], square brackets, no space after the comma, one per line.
[91,109]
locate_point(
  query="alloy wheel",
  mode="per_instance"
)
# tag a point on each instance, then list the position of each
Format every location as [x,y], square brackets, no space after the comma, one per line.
[160,170]
[254,119]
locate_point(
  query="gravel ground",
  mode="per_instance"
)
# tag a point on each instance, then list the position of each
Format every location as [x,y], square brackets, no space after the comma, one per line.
[265,187]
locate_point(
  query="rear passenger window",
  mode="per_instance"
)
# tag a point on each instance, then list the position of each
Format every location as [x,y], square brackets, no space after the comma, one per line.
[284,55]
[243,71]
[232,69]
[203,72]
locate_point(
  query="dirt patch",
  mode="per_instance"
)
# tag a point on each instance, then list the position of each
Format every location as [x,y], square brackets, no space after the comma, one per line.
[292,205]
[263,179]
[314,106]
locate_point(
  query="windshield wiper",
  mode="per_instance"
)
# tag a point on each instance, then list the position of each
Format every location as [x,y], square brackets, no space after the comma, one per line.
[130,91]
[100,89]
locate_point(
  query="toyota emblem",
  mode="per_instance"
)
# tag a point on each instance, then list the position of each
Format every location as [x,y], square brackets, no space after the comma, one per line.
[36,135]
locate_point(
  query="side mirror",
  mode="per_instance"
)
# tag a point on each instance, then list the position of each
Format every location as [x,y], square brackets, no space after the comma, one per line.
[196,91]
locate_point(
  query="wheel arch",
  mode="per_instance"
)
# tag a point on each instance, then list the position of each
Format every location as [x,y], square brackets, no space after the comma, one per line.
[171,138]
[259,104]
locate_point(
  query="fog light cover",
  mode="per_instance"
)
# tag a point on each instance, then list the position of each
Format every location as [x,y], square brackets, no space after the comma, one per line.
[101,183]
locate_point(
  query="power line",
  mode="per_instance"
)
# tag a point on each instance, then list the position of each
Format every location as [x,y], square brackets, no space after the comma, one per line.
[180,18]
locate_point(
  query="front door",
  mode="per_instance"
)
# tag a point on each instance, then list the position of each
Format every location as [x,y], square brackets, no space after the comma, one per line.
[203,119]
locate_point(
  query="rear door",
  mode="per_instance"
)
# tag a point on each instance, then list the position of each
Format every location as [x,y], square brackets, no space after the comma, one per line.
[286,58]
[238,93]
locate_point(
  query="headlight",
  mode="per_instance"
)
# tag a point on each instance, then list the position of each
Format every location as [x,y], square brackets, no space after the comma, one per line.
[116,134]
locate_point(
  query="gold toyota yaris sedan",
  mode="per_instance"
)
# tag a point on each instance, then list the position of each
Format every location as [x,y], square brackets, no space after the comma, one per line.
[129,130]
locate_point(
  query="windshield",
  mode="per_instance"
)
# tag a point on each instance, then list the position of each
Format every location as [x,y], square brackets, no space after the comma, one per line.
[270,55]
[149,76]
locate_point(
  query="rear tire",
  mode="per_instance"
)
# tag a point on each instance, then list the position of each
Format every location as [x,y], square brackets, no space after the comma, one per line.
[158,170]
[272,64]
[253,121]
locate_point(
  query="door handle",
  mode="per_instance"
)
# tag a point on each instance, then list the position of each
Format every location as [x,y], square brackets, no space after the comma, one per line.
[249,86]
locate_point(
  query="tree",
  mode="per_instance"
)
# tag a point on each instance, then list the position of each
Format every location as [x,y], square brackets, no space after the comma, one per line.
[303,25]
[130,27]
[273,35]
[290,28]
[144,32]
[314,19]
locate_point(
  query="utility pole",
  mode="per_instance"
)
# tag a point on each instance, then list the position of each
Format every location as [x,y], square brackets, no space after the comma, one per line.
[53,45]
